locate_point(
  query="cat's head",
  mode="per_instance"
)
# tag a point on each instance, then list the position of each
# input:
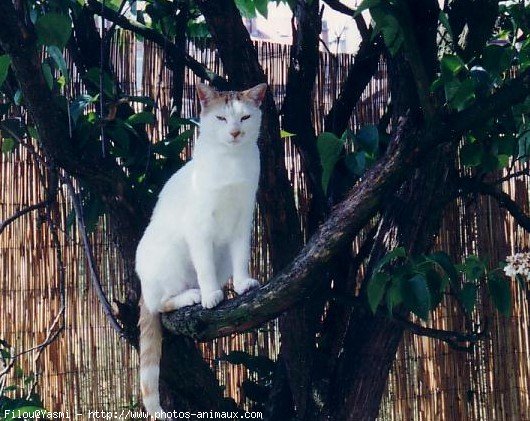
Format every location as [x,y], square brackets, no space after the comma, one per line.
[233,117]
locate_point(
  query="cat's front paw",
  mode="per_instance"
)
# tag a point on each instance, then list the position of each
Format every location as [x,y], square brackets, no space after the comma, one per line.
[243,285]
[211,299]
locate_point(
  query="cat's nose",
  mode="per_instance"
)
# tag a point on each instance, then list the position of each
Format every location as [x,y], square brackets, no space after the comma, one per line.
[235,133]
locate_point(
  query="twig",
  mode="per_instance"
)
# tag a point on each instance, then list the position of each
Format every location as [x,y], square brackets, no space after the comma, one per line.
[4,224]
[51,335]
[511,175]
[453,338]
[96,281]
[359,20]
[332,55]
[468,184]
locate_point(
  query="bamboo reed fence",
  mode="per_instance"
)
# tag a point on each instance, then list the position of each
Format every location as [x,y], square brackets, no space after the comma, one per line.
[89,368]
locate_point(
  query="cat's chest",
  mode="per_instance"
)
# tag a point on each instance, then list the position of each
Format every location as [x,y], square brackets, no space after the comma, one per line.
[227,177]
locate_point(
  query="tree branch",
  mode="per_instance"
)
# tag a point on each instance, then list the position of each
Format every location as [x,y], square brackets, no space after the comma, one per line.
[359,20]
[174,52]
[359,75]
[512,175]
[19,213]
[453,338]
[503,199]
[96,281]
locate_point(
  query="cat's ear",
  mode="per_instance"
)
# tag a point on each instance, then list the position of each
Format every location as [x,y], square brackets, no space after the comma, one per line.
[256,94]
[205,94]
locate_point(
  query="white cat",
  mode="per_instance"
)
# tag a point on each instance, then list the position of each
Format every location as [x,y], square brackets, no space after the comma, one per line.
[199,234]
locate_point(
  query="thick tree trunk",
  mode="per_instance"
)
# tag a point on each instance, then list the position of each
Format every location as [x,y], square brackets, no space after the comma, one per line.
[371,342]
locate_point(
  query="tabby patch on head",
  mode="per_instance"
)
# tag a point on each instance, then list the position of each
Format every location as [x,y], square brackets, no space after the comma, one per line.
[209,97]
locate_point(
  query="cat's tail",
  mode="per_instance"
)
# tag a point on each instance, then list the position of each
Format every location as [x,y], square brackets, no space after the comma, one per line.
[150,352]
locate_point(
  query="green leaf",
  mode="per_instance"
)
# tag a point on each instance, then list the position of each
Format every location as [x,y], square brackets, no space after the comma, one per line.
[8,144]
[460,95]
[144,100]
[356,163]
[365,5]
[504,161]
[176,122]
[394,297]
[5,62]
[197,30]
[443,260]
[416,296]
[329,148]
[54,29]
[57,56]
[367,139]
[451,65]
[78,105]
[376,289]
[172,147]
[262,7]
[497,59]
[247,8]
[500,293]
[474,268]
[395,253]
[388,25]
[436,285]
[471,154]
[93,76]
[507,145]
[48,76]
[285,133]
[468,296]
[143,117]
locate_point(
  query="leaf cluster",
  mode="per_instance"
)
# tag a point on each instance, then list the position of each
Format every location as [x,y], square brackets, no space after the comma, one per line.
[419,283]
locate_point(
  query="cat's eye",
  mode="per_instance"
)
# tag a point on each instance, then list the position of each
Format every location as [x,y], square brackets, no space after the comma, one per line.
[245,117]
[221,118]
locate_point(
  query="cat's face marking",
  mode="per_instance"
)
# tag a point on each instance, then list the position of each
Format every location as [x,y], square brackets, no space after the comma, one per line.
[234,114]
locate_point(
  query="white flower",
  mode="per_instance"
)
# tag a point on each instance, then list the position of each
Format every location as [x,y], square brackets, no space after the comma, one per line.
[518,264]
